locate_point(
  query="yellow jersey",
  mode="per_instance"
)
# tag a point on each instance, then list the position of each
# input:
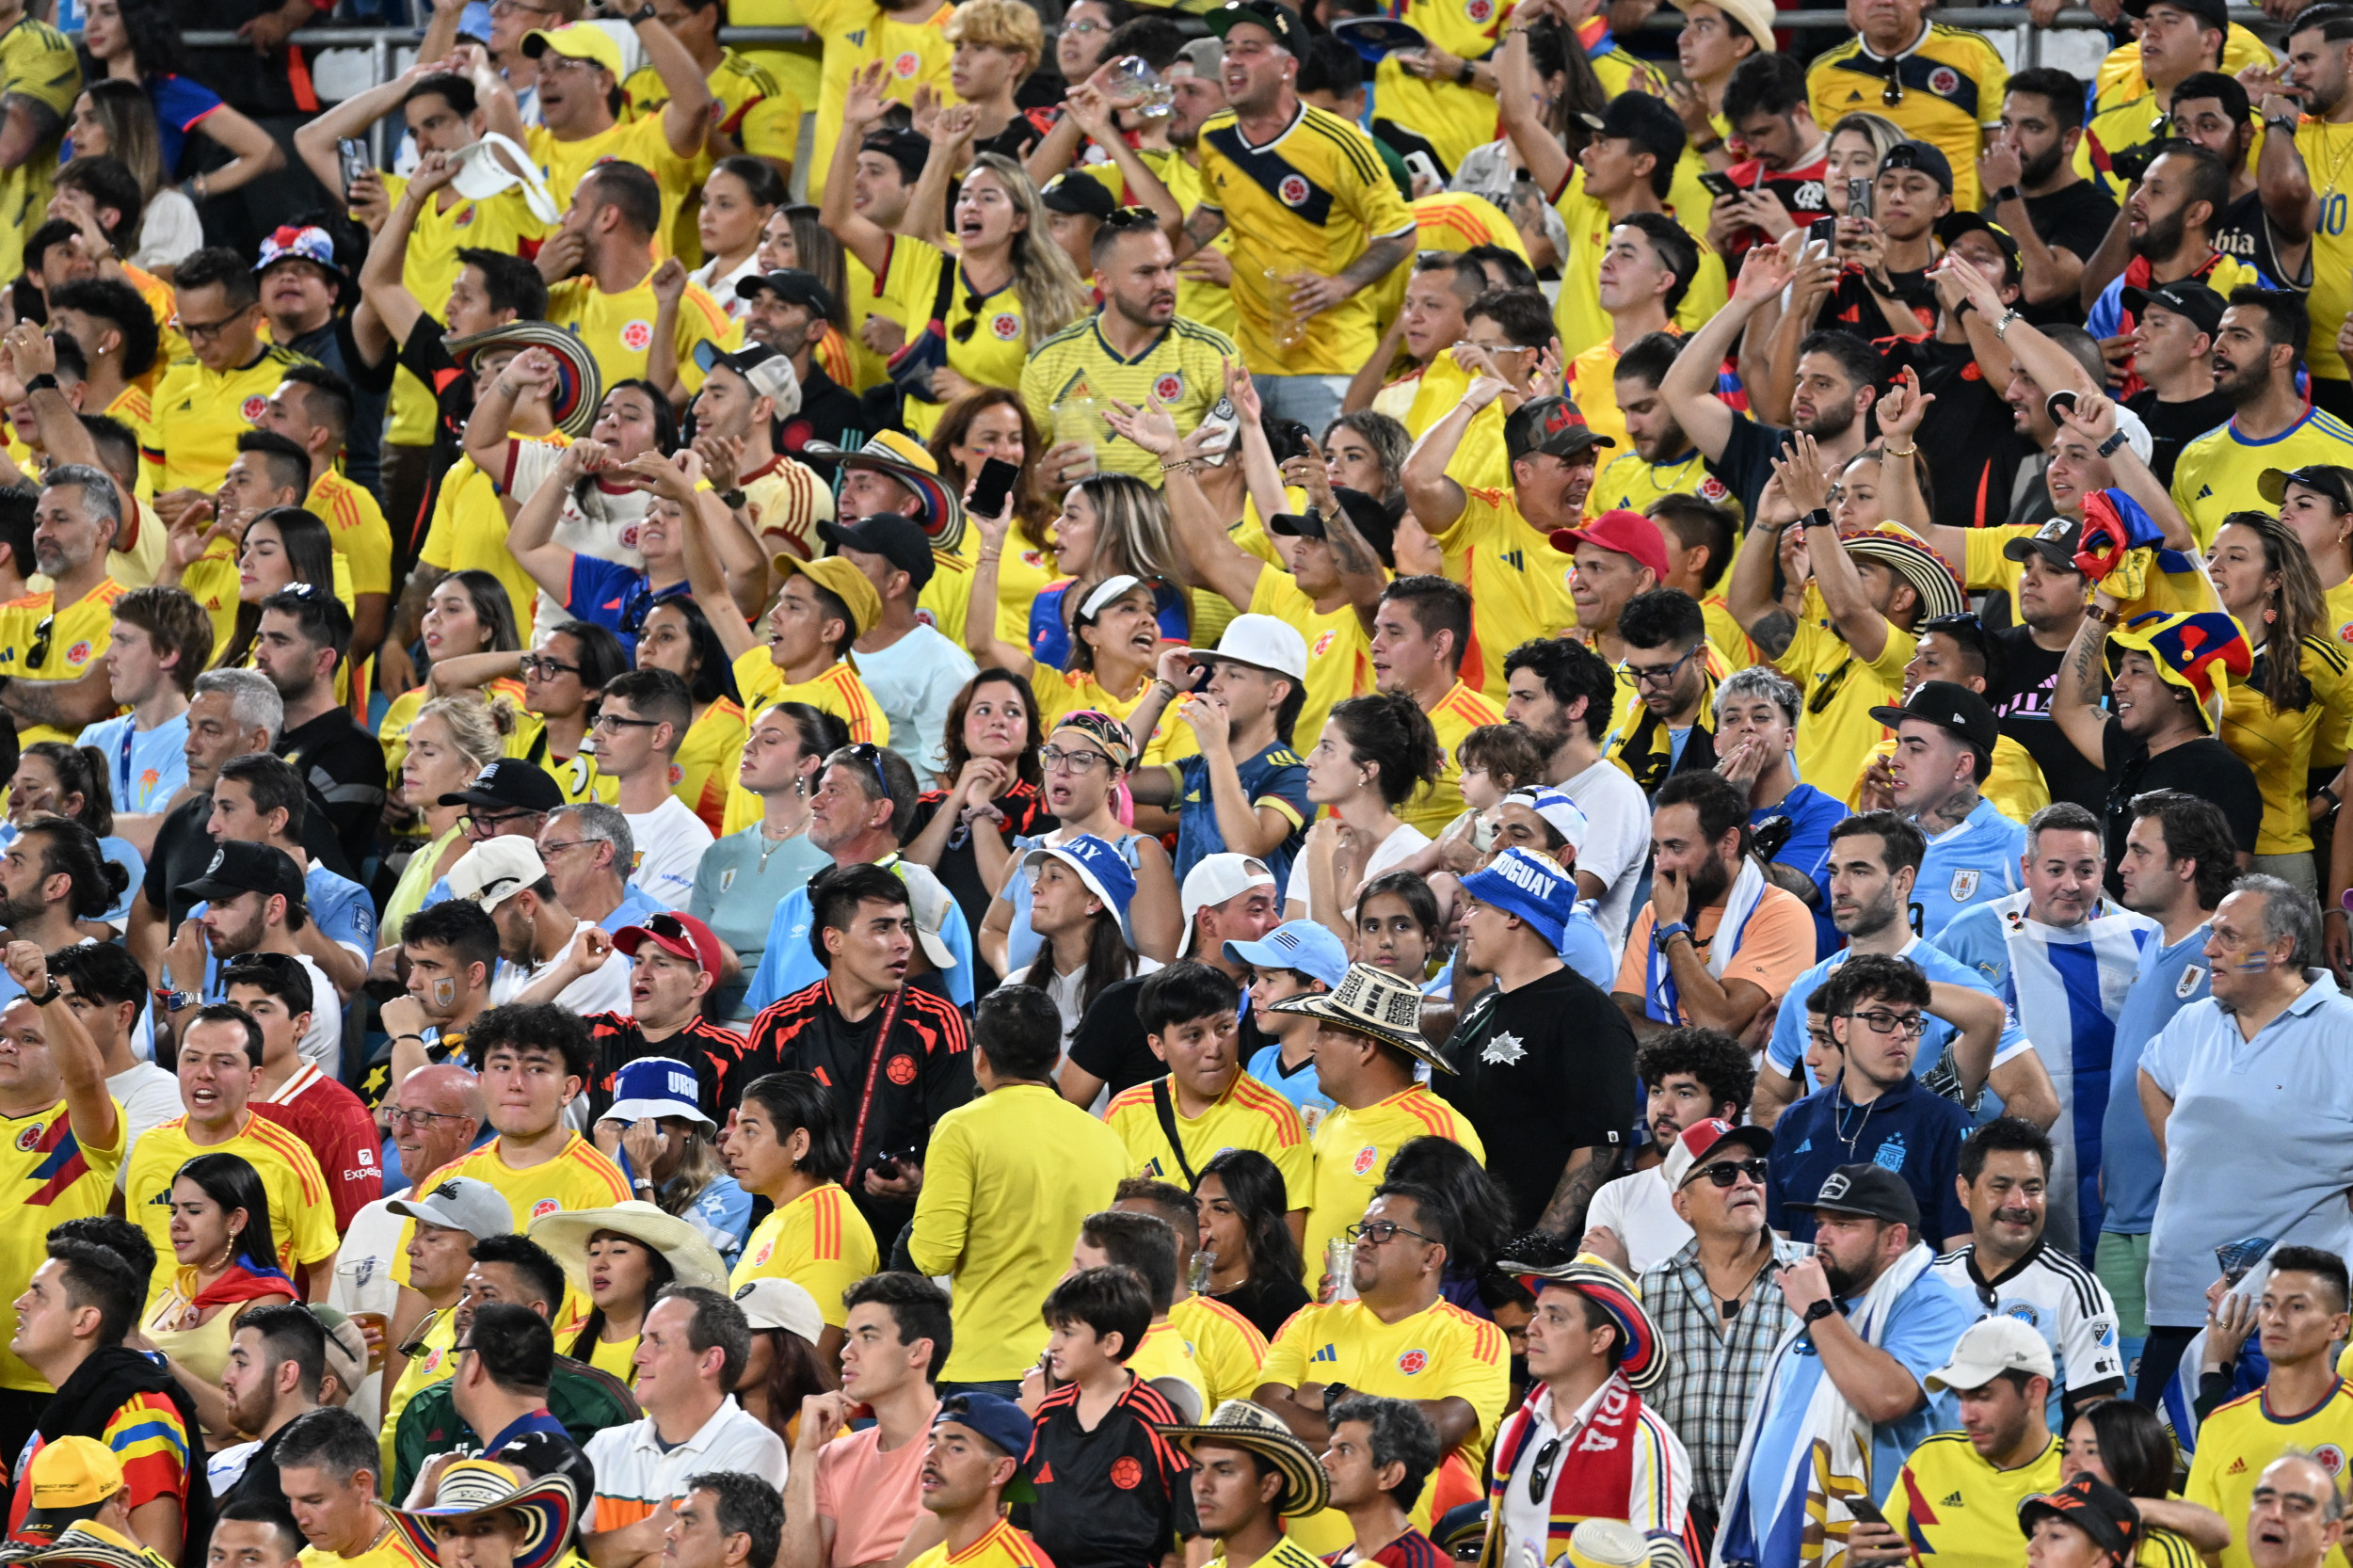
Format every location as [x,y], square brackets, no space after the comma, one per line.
[434,1361]
[1835,730]
[135,407]
[837,691]
[1457,714]
[1024,571]
[53,1176]
[468,533]
[1452,221]
[1249,1116]
[1452,118]
[1060,692]
[705,765]
[1953,84]
[2119,76]
[1310,201]
[1577,314]
[2238,1439]
[1949,1502]
[2217,473]
[356,524]
[857,34]
[2328,150]
[1339,650]
[619,327]
[1518,583]
[1352,1150]
[1630,482]
[563,164]
[1003,1547]
[2277,746]
[1165,1354]
[2336,626]
[578,1177]
[393,1551]
[200,413]
[1184,367]
[38,63]
[429,270]
[819,1242]
[2119,127]
[1439,1352]
[1226,1346]
[38,642]
[996,329]
[301,1215]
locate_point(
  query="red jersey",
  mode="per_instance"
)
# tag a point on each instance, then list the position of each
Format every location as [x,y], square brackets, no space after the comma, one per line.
[1801,189]
[329,1118]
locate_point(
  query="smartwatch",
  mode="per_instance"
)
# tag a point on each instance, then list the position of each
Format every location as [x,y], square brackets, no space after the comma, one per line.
[2008,193]
[43,382]
[641,14]
[1662,935]
[1820,1310]
[732,500]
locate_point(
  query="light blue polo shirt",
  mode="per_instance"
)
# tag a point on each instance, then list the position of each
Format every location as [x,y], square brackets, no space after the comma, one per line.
[1972,862]
[1786,1048]
[2131,1168]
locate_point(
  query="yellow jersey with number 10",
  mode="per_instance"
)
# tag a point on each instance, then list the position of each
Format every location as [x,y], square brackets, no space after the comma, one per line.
[2327,152]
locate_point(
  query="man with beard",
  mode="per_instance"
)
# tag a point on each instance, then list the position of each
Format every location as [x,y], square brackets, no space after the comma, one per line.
[1780,180]
[1688,1076]
[1560,693]
[2064,956]
[2307,112]
[2057,218]
[1717,944]
[1663,461]
[1666,655]
[2257,347]
[2005,1181]
[508,880]
[1876,1347]
[305,632]
[2179,863]
[1957,1493]
[1874,865]
[1945,740]
[1835,384]
[2169,221]
[2173,353]
[1134,346]
[277,1361]
[61,635]
[255,903]
[52,875]
[747,396]
[2212,109]
[789,310]
[600,261]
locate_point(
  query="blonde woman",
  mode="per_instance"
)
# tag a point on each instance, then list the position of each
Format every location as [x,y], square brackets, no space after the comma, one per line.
[1111,526]
[453,739]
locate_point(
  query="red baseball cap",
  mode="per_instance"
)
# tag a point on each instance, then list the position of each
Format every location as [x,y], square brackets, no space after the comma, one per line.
[1702,1139]
[680,936]
[1626,533]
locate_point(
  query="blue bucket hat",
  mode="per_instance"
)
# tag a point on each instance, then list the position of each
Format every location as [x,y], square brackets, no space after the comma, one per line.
[1533,885]
[1098,865]
[1302,945]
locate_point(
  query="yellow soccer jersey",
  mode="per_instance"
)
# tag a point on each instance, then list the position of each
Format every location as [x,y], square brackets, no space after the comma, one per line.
[2119,76]
[53,1176]
[2277,746]
[619,327]
[1594,388]
[1439,1352]
[1226,1346]
[990,354]
[755,111]
[1577,313]
[1353,1150]
[643,142]
[301,1215]
[1184,367]
[1310,201]
[134,405]
[1249,1116]
[1167,1355]
[1953,82]
[1953,1508]
[578,1177]
[1198,300]
[1023,572]
[1339,651]
[2217,473]
[1631,482]
[468,533]
[429,270]
[40,642]
[37,63]
[859,33]
[432,1363]
[199,415]
[2336,626]
[1453,119]
[1462,710]
[2120,127]
[2238,1439]
[356,525]
[2327,152]
[1003,1547]
[819,1242]
[1836,731]
[704,768]
[837,691]
[1519,584]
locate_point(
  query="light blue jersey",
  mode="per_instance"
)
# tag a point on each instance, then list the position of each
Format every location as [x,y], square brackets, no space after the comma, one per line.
[339,906]
[144,767]
[1786,1050]
[787,965]
[2170,979]
[1300,1087]
[1973,863]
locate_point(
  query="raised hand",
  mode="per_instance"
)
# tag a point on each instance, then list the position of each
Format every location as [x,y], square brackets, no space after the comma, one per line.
[1764,273]
[1901,410]
[669,281]
[1244,392]
[1151,427]
[28,967]
[1801,474]
[863,103]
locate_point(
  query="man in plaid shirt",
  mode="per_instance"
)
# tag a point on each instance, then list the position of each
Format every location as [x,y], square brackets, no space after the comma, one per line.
[1718,1314]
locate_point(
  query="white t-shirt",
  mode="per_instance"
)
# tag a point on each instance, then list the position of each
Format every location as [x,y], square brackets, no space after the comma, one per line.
[1403,841]
[322,1042]
[604,525]
[363,1283]
[1617,841]
[150,1097]
[169,233]
[1643,1213]
[670,842]
[604,991]
[914,681]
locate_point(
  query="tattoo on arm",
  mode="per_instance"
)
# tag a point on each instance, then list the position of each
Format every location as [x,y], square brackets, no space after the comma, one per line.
[1773,632]
[37,701]
[1566,1214]
[1205,225]
[1379,260]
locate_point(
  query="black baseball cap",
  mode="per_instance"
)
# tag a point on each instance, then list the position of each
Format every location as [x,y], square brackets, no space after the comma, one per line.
[1643,119]
[1375,522]
[1951,707]
[2055,541]
[509,784]
[1873,1191]
[1917,155]
[1280,20]
[790,284]
[2214,13]
[1551,425]
[1953,225]
[2327,478]
[2092,1506]
[907,149]
[1079,194]
[2200,304]
[242,868]
[900,540]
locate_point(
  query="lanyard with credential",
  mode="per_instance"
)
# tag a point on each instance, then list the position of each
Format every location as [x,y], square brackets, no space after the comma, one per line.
[122,790]
[874,1066]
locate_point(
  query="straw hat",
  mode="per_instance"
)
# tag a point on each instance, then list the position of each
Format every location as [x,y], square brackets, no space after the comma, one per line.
[1375,1004]
[547,1507]
[1910,557]
[566,1234]
[1239,1424]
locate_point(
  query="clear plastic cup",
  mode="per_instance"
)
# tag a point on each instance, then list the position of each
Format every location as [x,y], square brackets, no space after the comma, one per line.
[1078,421]
[1134,85]
[1339,1267]
[1285,324]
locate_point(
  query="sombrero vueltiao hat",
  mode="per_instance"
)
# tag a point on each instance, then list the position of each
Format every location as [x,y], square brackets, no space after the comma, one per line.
[547,1507]
[1374,1003]
[1909,556]
[1240,1424]
[903,458]
[1641,1359]
[1607,1543]
[691,1259]
[2202,651]
[579,385]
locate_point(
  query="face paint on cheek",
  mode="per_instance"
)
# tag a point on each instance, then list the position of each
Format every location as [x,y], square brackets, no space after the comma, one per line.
[445,993]
[2257,963]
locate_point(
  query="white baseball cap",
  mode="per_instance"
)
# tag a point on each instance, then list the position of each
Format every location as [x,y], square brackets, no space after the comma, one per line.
[1217,878]
[496,869]
[1566,816]
[1263,643]
[1991,1346]
[458,1203]
[776,1302]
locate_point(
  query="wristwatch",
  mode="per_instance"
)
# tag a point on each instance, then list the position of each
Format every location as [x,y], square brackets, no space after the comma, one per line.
[1463,74]
[1820,1310]
[1662,935]
[732,500]
[2008,193]
[641,14]
[47,996]
[2108,448]
[2001,327]
[1818,517]
[174,1002]
[43,382]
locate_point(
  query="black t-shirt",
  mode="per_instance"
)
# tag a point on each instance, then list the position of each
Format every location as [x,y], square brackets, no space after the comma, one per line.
[2021,700]
[1542,1072]
[719,1058]
[1747,463]
[959,869]
[1267,1301]
[335,346]
[1853,307]
[829,413]
[1119,1496]
[2245,232]
[1110,1043]
[1972,444]
[2203,767]
[2174,425]
[343,767]
[2075,218]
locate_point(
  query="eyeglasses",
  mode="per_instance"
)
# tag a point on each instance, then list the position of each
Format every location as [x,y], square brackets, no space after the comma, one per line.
[546,850]
[615,721]
[38,654]
[206,331]
[1635,675]
[480,826]
[1082,28]
[546,668]
[553,61]
[1055,759]
[1908,1026]
[1730,1171]
[1380,1233]
[394,1115]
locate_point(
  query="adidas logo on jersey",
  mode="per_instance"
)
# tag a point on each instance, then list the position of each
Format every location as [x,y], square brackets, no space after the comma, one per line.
[1329,1353]
[1952,1501]
[2236,1467]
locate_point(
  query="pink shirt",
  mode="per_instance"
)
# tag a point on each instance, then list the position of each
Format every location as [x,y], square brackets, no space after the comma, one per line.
[872,1497]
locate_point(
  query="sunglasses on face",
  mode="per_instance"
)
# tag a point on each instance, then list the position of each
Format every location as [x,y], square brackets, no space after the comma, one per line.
[1730,1171]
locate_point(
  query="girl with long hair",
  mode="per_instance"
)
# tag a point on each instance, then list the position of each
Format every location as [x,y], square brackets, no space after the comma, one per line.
[795,236]
[1080,917]
[2267,582]
[1254,1266]
[114,119]
[623,1273]
[449,740]
[1085,756]
[57,779]
[2126,1446]
[747,875]
[1481,1211]
[467,612]
[277,549]
[964,830]
[226,1264]
[740,195]
[1112,526]
[1374,753]
[788,1144]
[1397,926]
[137,42]
[676,635]
[993,422]
[784,1368]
